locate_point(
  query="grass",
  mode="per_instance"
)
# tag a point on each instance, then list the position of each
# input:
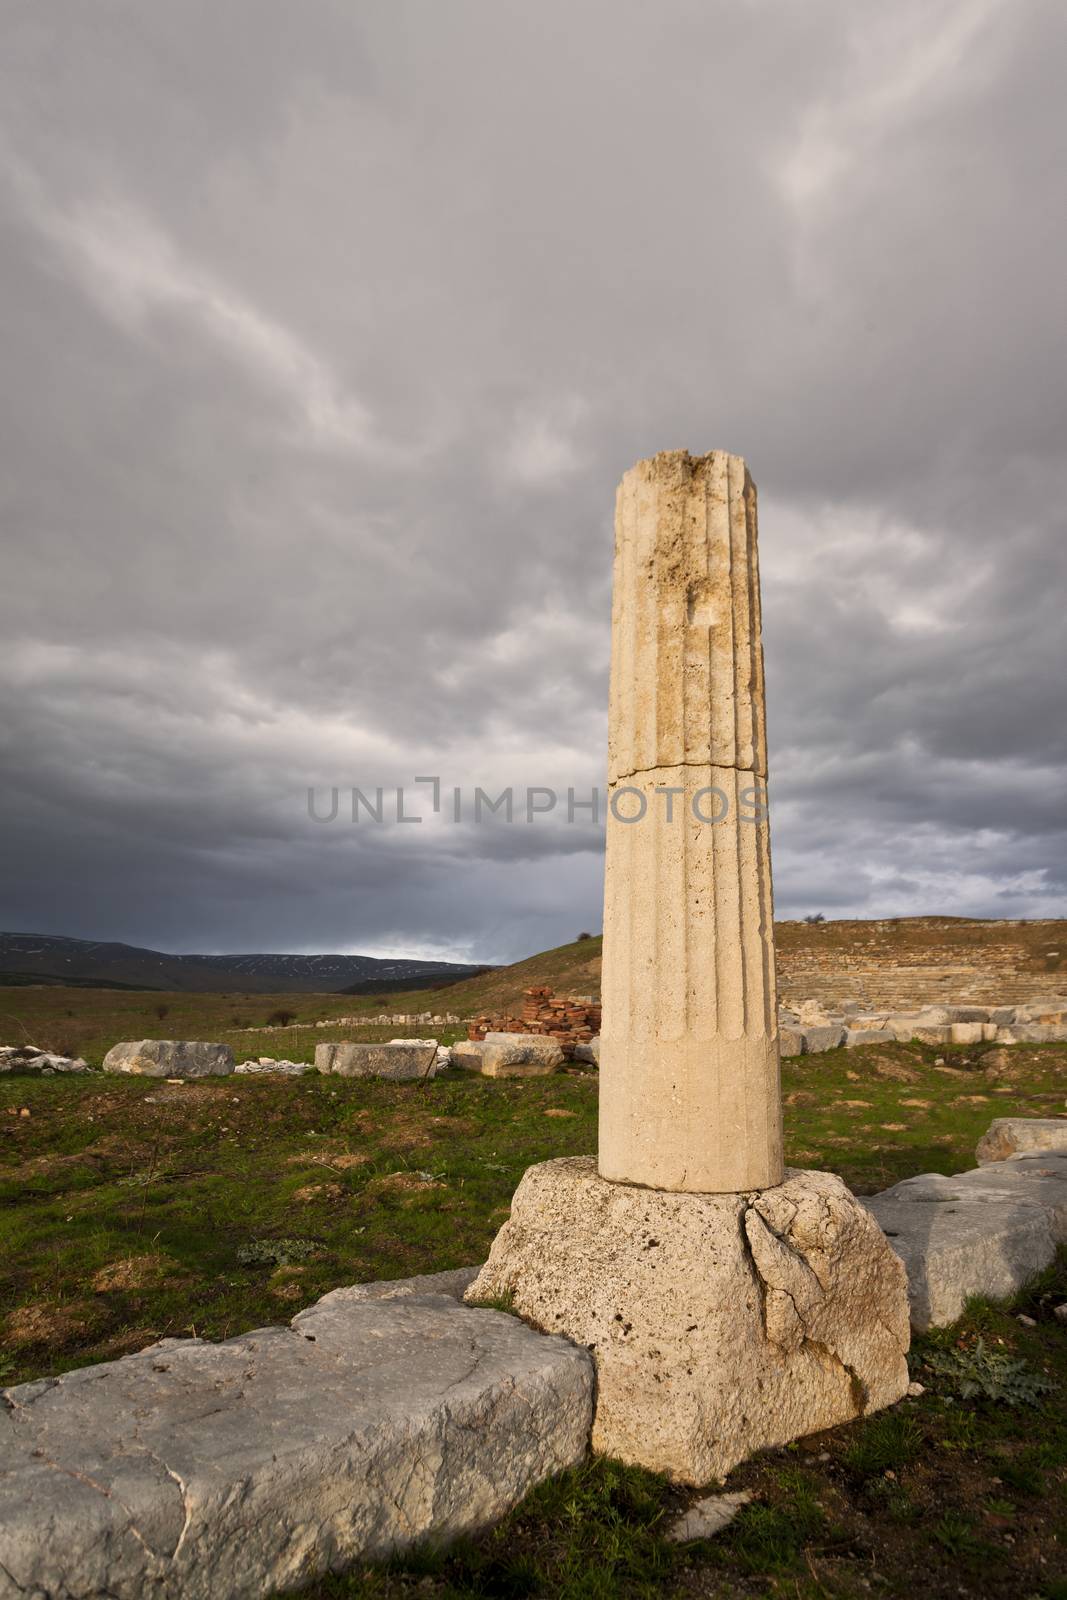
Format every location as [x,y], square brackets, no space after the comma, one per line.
[131,1209]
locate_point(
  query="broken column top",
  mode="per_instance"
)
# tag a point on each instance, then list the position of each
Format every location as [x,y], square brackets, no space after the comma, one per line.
[686,618]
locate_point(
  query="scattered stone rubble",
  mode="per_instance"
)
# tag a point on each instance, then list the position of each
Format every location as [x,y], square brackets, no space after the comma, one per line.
[28,1058]
[806,1028]
[570,1020]
[266,1066]
[384,1019]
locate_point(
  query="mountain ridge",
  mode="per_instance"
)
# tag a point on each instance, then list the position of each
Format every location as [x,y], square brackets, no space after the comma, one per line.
[61,958]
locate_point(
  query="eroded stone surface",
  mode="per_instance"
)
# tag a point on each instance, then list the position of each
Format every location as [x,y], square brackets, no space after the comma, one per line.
[519,1055]
[398,1062]
[720,1324]
[193,1471]
[1011,1136]
[170,1058]
[689,1066]
[983,1232]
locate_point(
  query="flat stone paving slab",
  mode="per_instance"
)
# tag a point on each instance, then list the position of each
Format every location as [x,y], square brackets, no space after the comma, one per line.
[983,1232]
[385,1415]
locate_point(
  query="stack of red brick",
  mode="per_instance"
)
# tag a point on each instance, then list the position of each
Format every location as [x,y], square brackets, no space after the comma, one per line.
[569,1020]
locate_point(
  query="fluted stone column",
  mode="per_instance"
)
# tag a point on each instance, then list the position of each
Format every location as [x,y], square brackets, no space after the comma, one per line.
[727,1311]
[689,1076]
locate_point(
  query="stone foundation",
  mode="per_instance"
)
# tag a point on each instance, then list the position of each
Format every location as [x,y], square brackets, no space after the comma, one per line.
[720,1324]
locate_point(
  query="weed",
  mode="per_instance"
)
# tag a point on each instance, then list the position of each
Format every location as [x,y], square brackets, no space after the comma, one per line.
[955,1534]
[275,1252]
[975,1372]
[887,1441]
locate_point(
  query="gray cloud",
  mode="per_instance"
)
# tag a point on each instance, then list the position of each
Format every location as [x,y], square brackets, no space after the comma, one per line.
[328,337]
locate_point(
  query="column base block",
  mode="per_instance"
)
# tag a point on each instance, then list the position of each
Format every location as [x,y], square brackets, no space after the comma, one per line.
[720,1324]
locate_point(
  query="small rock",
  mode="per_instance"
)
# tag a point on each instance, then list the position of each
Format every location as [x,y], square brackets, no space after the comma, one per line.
[705,1518]
[1027,1322]
[915,1390]
[1060,1312]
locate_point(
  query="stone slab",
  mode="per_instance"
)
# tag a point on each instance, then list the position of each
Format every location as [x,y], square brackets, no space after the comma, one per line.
[983,1232]
[1012,1136]
[397,1062]
[467,1053]
[384,1416]
[520,1055]
[170,1058]
[720,1324]
[826,1037]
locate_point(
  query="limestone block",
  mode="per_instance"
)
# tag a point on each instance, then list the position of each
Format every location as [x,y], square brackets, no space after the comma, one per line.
[811,1013]
[170,1058]
[790,1042]
[467,1053]
[719,1323]
[520,1055]
[855,1037]
[1012,1136]
[939,1033]
[968,1013]
[828,1037]
[397,1062]
[589,1053]
[192,1471]
[965,1032]
[983,1232]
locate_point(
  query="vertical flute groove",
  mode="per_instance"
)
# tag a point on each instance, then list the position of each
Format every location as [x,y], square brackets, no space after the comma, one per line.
[689,1054]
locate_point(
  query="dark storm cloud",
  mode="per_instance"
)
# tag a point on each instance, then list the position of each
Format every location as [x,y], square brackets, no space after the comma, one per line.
[329,333]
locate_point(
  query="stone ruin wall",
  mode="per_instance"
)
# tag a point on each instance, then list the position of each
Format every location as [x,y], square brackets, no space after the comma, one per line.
[874,970]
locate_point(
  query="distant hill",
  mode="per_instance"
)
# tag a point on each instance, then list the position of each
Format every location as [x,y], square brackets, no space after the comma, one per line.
[52,958]
[889,961]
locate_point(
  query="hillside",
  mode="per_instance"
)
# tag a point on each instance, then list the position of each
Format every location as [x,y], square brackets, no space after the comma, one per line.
[894,962]
[54,958]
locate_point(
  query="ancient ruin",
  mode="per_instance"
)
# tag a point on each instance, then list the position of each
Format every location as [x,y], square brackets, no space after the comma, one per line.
[729,1304]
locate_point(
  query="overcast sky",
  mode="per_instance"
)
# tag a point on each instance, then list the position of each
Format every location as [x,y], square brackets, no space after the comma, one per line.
[329,329]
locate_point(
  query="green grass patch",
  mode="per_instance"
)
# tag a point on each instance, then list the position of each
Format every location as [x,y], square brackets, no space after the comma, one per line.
[131,1209]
